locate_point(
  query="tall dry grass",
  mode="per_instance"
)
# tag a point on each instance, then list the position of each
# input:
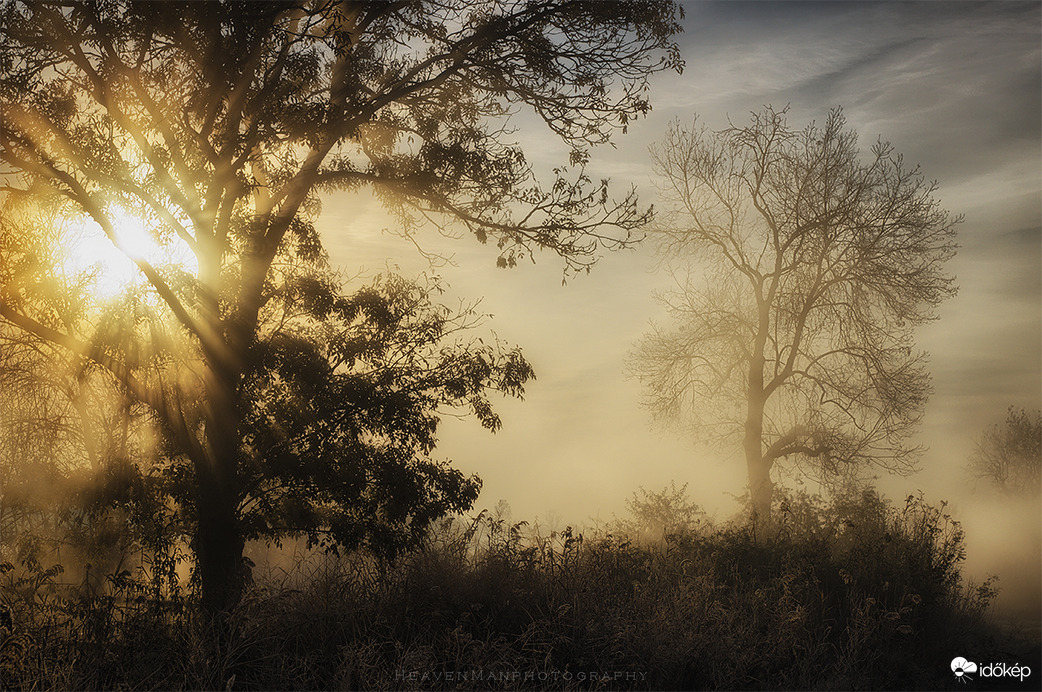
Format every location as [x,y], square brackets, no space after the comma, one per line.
[850,593]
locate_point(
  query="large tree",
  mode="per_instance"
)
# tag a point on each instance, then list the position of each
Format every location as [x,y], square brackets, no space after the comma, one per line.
[802,268]
[218,124]
[341,401]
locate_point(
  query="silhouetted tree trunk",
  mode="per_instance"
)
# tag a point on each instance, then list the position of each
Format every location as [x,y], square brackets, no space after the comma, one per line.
[220,545]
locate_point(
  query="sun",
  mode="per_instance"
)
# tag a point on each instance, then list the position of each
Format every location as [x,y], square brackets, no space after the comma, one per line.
[110,266]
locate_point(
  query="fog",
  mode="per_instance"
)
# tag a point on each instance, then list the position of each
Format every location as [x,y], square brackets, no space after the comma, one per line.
[776,424]
[954,88]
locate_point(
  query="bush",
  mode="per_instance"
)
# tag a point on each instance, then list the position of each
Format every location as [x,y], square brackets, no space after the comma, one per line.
[849,593]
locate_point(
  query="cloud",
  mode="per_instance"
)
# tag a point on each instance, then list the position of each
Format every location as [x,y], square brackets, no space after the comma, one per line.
[894,67]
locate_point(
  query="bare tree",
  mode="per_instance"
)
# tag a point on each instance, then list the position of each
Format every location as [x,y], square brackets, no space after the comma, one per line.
[818,265]
[1009,454]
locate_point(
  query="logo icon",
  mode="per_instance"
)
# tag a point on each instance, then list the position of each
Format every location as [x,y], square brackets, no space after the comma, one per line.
[962,668]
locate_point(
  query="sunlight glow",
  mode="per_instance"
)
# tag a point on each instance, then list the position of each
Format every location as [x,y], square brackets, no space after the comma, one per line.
[111,269]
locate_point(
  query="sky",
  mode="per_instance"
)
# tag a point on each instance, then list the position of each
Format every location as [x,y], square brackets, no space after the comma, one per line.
[955,87]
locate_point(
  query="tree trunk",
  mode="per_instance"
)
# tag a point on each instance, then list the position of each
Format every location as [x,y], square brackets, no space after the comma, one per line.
[761,488]
[218,549]
[219,542]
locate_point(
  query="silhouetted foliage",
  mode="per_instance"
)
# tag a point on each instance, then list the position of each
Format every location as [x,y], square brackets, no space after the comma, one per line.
[818,265]
[342,414]
[342,405]
[1009,454]
[855,593]
[216,125]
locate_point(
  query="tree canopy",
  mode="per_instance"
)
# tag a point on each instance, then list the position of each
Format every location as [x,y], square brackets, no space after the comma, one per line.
[216,127]
[818,264]
[1009,454]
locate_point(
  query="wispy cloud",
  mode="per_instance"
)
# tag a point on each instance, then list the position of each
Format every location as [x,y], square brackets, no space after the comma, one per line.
[955,87]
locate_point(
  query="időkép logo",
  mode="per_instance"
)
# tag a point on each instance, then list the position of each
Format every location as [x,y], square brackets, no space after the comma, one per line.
[965,670]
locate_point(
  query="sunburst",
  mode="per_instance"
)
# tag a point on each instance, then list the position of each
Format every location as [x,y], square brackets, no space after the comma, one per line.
[109,264]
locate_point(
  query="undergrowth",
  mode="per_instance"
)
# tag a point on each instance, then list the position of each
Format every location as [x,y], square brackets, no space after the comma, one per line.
[853,593]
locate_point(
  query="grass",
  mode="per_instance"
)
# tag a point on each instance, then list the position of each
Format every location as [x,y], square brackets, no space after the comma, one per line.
[853,593]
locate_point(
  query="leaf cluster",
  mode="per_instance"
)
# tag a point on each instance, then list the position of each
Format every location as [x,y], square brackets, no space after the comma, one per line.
[342,409]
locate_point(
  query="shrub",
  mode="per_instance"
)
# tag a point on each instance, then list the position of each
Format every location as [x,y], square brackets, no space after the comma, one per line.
[850,592]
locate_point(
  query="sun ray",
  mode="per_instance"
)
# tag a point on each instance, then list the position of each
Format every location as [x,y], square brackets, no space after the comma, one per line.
[109,263]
